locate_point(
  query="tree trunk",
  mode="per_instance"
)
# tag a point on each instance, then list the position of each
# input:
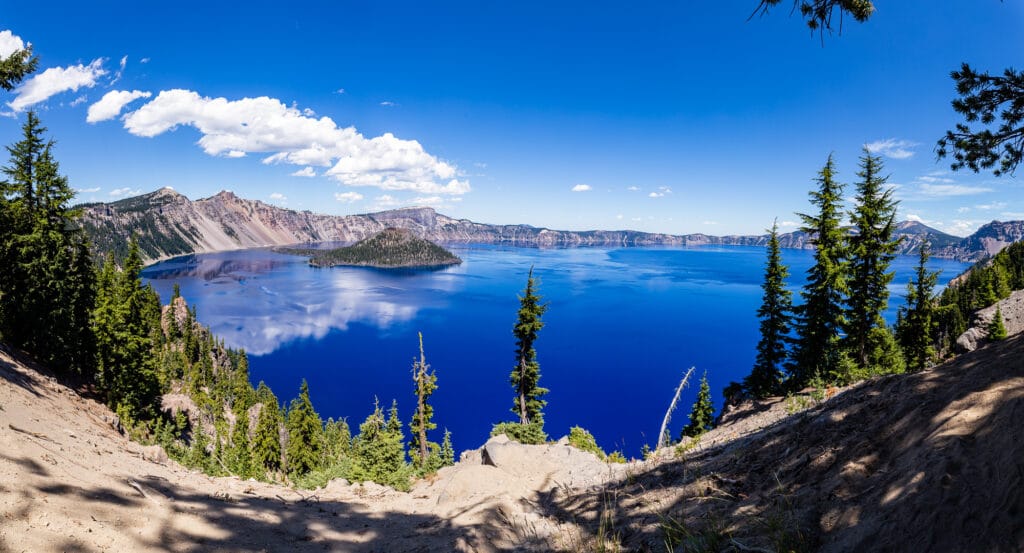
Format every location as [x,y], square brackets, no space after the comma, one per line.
[523,419]
[420,376]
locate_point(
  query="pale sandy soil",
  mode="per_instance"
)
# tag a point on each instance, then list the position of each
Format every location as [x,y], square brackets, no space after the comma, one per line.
[925,462]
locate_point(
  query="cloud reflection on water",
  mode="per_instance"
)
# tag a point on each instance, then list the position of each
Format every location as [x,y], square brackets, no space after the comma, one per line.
[265,300]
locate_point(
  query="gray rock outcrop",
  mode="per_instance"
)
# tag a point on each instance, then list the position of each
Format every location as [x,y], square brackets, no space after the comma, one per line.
[1012,310]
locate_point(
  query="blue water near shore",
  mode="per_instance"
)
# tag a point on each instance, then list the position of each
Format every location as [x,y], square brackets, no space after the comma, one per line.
[622,327]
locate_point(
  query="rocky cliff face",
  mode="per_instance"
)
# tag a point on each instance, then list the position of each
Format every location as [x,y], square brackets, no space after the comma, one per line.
[168,224]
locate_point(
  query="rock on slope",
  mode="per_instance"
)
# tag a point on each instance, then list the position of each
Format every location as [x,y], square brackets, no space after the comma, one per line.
[1012,311]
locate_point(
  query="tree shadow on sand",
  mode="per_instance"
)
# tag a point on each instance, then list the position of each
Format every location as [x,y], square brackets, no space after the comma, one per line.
[932,461]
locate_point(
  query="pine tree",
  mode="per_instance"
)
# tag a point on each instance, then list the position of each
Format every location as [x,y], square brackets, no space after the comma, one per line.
[305,434]
[126,319]
[916,321]
[47,282]
[239,456]
[765,378]
[378,452]
[337,441]
[16,66]
[421,423]
[871,251]
[525,376]
[266,445]
[996,329]
[820,317]
[702,416]
[447,453]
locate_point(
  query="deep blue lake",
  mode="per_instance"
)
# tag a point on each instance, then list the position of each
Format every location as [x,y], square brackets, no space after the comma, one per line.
[622,327]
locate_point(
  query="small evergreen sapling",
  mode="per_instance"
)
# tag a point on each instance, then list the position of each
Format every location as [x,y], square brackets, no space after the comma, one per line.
[702,415]
[996,329]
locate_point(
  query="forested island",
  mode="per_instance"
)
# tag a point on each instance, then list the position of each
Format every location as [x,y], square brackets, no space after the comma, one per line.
[388,249]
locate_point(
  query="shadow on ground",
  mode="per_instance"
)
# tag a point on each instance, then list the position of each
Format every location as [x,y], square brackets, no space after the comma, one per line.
[925,462]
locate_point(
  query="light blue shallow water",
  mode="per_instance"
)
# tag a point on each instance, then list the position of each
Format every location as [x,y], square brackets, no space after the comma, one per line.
[622,327]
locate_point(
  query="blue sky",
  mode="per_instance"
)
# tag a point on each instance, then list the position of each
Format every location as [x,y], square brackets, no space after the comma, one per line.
[659,116]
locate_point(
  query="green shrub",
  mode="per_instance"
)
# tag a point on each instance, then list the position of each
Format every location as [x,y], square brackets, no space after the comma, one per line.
[319,478]
[616,457]
[532,433]
[584,441]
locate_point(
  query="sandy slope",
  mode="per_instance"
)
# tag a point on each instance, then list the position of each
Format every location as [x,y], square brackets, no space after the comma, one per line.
[70,482]
[925,462]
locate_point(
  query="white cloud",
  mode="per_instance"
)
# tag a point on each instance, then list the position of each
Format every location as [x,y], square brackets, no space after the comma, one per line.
[126,191]
[56,80]
[120,71]
[633,188]
[144,60]
[788,224]
[88,190]
[960,227]
[266,125]
[892,148]
[947,190]
[111,104]
[429,201]
[916,218]
[619,216]
[711,223]
[340,91]
[79,101]
[1013,214]
[962,209]
[278,197]
[935,179]
[581,188]
[655,194]
[9,44]
[388,104]
[306,171]
[991,206]
[385,201]
[662,191]
[348,197]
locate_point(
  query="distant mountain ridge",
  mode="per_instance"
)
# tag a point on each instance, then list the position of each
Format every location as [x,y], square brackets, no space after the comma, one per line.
[168,224]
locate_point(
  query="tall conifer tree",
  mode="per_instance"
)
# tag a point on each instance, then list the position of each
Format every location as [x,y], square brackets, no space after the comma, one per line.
[266,445]
[426,382]
[765,378]
[820,317]
[126,321]
[305,434]
[871,251]
[917,318]
[47,278]
[525,376]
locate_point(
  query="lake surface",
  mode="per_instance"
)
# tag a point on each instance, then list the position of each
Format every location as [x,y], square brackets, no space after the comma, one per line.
[623,325]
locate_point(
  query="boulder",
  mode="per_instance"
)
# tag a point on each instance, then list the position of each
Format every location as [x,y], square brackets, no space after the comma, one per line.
[154,453]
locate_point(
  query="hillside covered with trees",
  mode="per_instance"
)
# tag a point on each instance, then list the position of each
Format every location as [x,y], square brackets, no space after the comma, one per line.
[388,249]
